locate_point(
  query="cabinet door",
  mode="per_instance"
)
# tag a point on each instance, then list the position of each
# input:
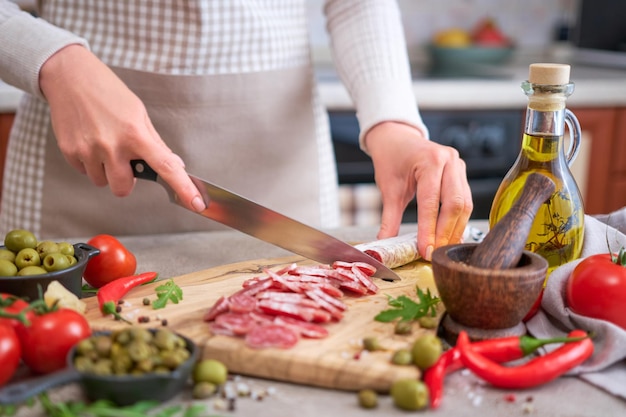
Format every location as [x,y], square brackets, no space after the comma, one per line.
[592,168]
[617,178]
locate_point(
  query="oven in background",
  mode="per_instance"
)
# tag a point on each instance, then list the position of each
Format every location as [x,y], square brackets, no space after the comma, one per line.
[487,140]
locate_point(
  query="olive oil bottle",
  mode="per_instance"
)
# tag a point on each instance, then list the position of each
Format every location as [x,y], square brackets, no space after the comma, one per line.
[558,229]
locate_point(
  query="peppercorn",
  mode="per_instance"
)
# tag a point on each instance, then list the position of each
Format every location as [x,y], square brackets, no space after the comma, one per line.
[146,301]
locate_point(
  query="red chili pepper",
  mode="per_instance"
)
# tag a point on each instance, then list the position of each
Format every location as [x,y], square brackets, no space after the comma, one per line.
[504,349]
[111,293]
[532,373]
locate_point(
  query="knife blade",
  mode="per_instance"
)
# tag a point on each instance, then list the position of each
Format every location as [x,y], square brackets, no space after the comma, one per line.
[268,225]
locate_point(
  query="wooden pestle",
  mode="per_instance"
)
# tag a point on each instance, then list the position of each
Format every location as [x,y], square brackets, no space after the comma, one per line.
[504,245]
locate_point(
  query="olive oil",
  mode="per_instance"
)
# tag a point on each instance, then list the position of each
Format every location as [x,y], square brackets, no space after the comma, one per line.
[558,226]
[557,231]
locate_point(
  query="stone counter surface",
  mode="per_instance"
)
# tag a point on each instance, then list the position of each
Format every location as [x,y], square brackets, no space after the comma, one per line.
[465,395]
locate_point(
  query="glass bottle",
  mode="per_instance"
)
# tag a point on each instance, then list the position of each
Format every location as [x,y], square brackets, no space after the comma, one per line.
[557,231]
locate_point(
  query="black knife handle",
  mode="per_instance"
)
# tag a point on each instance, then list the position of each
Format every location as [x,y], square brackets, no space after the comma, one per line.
[142,170]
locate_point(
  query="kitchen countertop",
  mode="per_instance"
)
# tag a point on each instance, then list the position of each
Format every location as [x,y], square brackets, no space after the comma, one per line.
[178,254]
[595,86]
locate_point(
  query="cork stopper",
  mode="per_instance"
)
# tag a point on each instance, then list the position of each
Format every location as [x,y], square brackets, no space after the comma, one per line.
[548,74]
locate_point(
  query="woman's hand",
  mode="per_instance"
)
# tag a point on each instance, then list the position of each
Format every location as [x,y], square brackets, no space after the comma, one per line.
[407,164]
[101,125]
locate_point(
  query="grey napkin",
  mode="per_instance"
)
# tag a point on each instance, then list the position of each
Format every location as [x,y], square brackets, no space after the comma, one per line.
[607,366]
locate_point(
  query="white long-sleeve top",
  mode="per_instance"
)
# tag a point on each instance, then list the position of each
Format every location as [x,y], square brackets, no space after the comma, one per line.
[202,37]
[217,37]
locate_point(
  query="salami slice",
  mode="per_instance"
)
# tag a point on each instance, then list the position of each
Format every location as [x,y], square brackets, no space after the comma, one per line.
[319,298]
[220,306]
[272,336]
[309,330]
[239,324]
[241,303]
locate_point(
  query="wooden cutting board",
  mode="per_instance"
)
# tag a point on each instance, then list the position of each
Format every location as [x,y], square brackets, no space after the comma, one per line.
[334,362]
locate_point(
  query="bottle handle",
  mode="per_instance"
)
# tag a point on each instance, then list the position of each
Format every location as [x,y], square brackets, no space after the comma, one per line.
[574,134]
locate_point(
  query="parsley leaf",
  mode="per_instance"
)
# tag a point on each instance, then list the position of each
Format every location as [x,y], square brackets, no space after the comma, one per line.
[168,291]
[405,309]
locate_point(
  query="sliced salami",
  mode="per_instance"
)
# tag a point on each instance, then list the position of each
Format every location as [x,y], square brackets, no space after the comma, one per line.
[220,306]
[309,330]
[272,336]
[239,324]
[241,303]
[276,309]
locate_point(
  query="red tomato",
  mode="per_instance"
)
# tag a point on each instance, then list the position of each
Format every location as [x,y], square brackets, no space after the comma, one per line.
[113,262]
[10,353]
[597,288]
[49,338]
[13,305]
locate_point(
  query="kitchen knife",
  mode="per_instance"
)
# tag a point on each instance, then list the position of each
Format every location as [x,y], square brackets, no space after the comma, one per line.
[270,226]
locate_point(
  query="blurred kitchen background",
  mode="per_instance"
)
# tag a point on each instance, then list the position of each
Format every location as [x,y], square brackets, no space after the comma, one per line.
[531,23]
[479,107]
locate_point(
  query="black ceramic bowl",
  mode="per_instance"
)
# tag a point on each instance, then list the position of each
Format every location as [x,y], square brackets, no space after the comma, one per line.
[71,278]
[119,389]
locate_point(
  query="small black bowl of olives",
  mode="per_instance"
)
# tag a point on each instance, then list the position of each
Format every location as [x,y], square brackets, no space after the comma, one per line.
[122,366]
[27,265]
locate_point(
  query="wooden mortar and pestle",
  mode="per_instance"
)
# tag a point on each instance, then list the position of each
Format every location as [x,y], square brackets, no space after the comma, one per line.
[488,287]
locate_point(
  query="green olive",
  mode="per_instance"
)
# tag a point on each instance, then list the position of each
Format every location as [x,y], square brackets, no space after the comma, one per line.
[18,239]
[71,260]
[368,398]
[31,270]
[7,268]
[210,370]
[429,322]
[403,327]
[371,344]
[55,262]
[66,248]
[402,357]
[46,247]
[203,390]
[426,350]
[409,394]
[7,254]
[27,257]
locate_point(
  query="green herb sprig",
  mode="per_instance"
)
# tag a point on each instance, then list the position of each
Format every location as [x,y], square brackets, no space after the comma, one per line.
[169,291]
[405,309]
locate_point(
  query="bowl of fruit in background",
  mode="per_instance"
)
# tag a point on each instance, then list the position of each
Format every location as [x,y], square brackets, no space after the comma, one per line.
[28,266]
[460,52]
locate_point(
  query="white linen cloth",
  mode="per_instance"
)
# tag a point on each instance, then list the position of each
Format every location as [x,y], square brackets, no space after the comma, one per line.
[606,368]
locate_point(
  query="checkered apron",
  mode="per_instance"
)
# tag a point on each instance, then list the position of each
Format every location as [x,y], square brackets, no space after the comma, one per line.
[235,98]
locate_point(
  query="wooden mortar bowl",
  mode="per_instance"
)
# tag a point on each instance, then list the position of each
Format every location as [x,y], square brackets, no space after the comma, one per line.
[486,298]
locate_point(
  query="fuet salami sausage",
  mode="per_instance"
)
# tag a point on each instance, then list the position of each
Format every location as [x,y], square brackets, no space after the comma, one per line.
[394,251]
[400,250]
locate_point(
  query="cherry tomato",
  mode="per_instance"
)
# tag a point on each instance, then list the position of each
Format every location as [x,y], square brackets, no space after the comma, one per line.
[49,338]
[10,353]
[113,262]
[13,305]
[597,288]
